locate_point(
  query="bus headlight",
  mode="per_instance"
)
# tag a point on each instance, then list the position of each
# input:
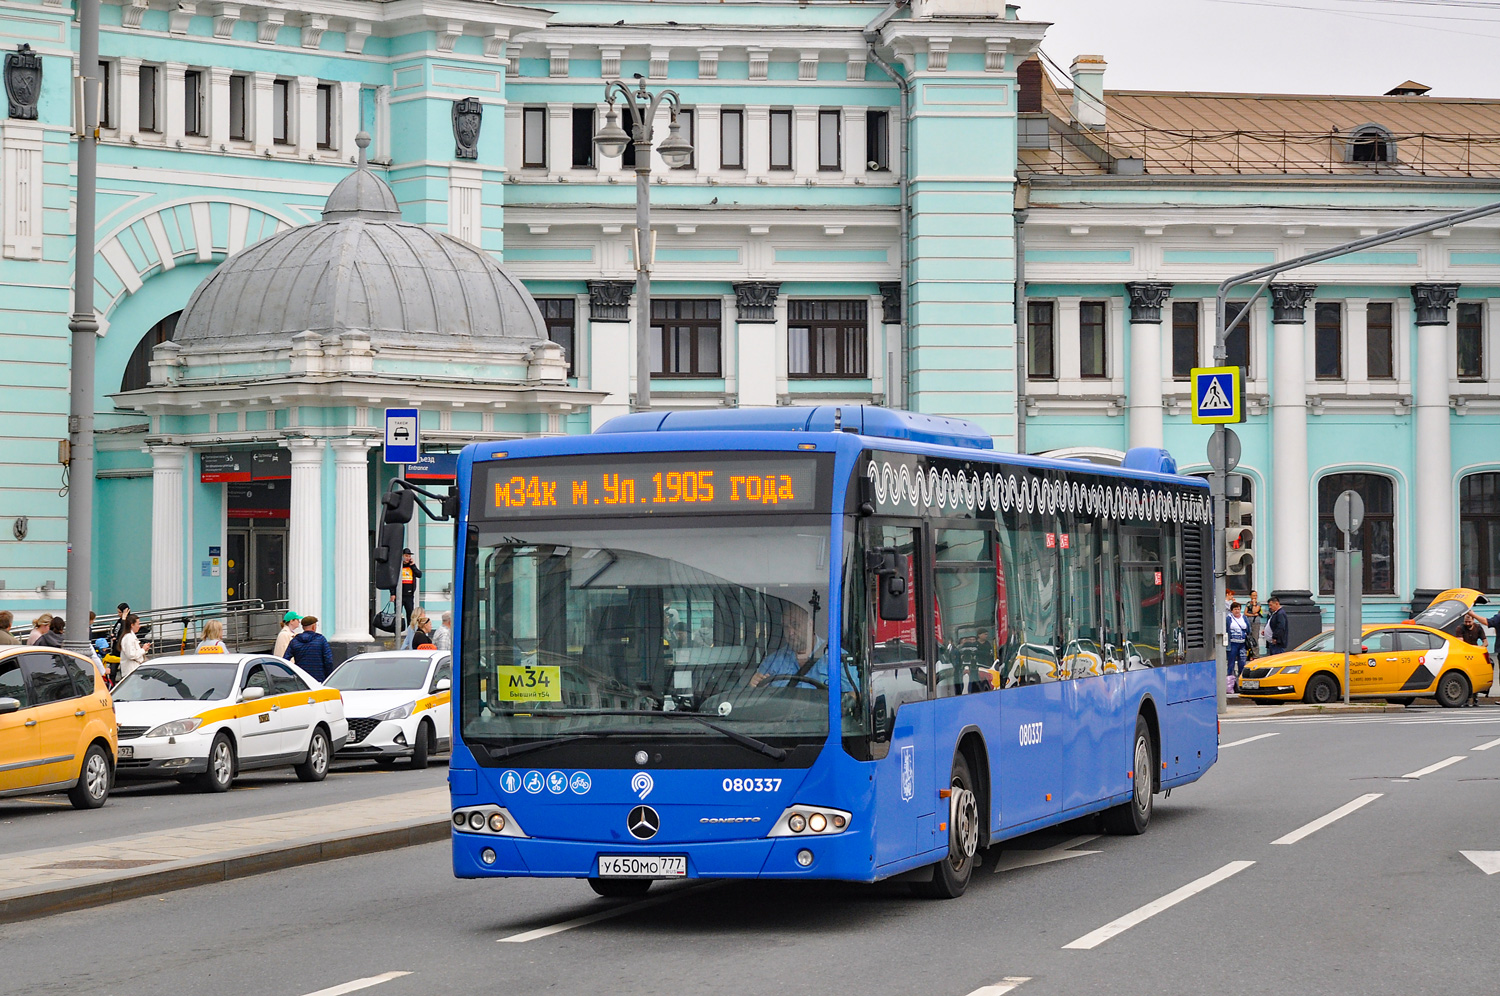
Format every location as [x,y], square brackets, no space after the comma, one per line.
[492,821]
[808,821]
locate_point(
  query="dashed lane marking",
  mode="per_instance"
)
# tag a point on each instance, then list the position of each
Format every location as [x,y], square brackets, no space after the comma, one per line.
[1486,861]
[1323,821]
[358,984]
[584,921]
[1094,938]
[1002,987]
[1434,767]
[1012,860]
[1248,740]
[1492,743]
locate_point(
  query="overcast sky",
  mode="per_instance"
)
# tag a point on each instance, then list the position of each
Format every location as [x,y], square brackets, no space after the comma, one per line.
[1280,46]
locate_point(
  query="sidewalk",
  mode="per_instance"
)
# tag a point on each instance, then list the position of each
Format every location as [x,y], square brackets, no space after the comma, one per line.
[50,880]
[1239,708]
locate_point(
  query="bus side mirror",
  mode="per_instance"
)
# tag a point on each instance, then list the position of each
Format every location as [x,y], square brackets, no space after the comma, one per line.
[890,570]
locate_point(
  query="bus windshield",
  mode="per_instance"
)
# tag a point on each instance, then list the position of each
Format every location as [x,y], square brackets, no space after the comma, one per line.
[594,629]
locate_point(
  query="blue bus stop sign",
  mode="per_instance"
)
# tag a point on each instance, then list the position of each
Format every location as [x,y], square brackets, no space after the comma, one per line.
[401,435]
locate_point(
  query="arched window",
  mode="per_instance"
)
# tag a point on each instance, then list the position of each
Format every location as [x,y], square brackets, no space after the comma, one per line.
[1375,538]
[1371,143]
[1479,531]
[138,368]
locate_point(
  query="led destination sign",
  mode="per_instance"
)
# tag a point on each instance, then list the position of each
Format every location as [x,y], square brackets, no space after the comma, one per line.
[671,485]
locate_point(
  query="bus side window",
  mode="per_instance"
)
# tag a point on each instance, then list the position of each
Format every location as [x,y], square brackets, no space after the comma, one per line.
[1029,545]
[1143,585]
[898,665]
[963,611]
[1084,654]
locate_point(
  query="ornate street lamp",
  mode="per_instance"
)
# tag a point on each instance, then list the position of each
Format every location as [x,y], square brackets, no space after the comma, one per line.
[675,151]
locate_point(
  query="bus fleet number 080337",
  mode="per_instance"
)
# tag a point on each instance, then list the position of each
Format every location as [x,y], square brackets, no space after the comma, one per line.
[752,785]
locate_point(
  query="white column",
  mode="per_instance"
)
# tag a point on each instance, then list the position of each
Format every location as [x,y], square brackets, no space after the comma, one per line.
[611,359]
[263,131]
[167,526]
[1290,515]
[1143,395]
[305,115]
[217,107]
[1432,482]
[756,360]
[304,555]
[176,100]
[805,141]
[130,97]
[351,541]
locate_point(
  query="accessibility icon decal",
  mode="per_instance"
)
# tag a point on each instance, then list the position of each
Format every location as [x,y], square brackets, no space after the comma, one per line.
[557,782]
[510,782]
[533,782]
[581,783]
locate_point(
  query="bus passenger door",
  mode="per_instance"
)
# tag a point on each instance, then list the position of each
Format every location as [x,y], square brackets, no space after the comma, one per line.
[905,796]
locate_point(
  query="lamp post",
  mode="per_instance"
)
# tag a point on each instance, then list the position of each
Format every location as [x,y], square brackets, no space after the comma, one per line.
[675,151]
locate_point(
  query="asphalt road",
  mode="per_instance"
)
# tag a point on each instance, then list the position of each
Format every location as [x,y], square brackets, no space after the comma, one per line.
[139,806]
[1377,901]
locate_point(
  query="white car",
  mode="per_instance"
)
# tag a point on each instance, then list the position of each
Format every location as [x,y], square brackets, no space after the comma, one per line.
[397,703]
[205,718]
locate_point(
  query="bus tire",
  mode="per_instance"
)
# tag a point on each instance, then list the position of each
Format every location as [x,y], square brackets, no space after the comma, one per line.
[1453,689]
[1132,817]
[950,877]
[620,888]
[1321,690]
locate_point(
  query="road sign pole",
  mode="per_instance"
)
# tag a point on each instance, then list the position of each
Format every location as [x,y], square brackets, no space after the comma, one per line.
[1221,651]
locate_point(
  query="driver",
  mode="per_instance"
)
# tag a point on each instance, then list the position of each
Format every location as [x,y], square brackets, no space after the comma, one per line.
[793,656]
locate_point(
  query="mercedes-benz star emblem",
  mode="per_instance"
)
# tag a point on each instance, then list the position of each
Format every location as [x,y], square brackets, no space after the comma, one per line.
[643,823]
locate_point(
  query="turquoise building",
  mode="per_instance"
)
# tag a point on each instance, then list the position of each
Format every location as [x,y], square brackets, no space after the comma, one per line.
[843,232]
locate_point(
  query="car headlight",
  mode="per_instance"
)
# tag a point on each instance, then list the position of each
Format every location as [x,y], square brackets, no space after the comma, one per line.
[175,728]
[1293,669]
[400,712]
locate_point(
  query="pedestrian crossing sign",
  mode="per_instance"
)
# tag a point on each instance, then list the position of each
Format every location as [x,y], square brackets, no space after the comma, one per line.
[1218,395]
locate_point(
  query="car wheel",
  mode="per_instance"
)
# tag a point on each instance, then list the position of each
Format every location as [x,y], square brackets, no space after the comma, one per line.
[220,773]
[950,877]
[314,767]
[1131,818]
[620,888]
[423,745]
[1321,690]
[93,780]
[1453,690]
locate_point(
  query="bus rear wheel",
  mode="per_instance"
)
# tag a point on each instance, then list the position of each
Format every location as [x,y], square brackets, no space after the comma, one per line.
[1131,818]
[950,877]
[620,888]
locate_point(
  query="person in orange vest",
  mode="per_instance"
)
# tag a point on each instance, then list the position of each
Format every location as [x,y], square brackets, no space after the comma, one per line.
[410,572]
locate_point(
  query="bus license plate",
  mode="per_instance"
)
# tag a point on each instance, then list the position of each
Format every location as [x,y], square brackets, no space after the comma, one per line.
[642,866]
[125,752]
[1250,684]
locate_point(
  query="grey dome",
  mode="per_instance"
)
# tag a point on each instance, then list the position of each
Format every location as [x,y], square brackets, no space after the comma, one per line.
[362,269]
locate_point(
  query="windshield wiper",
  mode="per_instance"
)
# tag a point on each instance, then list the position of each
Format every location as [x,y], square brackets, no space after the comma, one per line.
[759,746]
[496,753]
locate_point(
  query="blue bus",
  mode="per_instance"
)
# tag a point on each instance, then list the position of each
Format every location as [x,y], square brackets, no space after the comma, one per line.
[835,643]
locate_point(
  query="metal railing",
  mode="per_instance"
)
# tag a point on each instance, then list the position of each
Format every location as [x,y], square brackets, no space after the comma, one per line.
[249,623]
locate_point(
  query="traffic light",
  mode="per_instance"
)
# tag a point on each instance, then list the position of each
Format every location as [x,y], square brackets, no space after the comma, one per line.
[1239,542]
[397,507]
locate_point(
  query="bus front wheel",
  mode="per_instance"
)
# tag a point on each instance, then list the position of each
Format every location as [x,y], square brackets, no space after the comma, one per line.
[950,877]
[1130,818]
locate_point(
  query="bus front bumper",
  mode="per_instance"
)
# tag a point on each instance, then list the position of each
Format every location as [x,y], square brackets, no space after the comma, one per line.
[838,856]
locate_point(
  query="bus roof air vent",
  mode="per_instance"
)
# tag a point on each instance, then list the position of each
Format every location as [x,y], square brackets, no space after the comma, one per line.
[866,420]
[1150,458]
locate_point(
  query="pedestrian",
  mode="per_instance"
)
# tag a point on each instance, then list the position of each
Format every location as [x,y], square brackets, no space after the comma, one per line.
[7,620]
[38,628]
[420,630]
[1257,616]
[1471,630]
[120,628]
[54,635]
[410,572]
[443,638]
[310,651]
[132,652]
[1237,629]
[291,625]
[213,638]
[1276,628]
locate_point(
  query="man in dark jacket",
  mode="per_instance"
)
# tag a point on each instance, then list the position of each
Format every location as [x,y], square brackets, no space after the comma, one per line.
[1276,628]
[310,651]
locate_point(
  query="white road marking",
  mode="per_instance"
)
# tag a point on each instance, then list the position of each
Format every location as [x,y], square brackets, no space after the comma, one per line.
[1248,740]
[1487,861]
[1002,987]
[1012,860]
[584,921]
[1492,743]
[1434,767]
[1323,821]
[1094,938]
[358,984]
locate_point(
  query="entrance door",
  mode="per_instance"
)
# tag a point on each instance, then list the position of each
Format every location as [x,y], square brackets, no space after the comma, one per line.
[236,567]
[268,564]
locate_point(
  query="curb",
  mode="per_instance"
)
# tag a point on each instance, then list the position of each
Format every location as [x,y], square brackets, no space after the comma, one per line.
[189,872]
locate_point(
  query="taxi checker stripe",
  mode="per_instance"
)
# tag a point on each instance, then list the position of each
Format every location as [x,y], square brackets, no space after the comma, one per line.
[432,701]
[242,709]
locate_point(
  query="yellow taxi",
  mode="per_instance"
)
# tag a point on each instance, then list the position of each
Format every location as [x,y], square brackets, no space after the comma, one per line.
[57,726]
[1397,662]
